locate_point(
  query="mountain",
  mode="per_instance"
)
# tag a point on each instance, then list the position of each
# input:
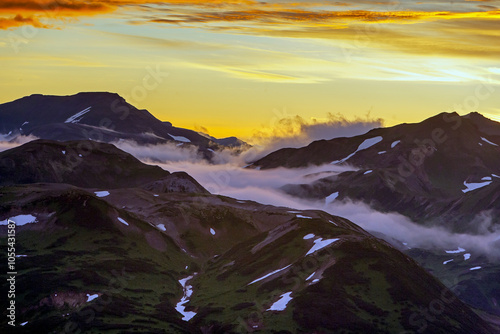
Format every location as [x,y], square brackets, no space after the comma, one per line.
[131,259]
[99,116]
[441,172]
[470,275]
[86,164]
[444,170]
[228,141]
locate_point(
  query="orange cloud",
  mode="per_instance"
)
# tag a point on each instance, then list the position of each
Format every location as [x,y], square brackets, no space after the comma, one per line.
[455,34]
[319,18]
[19,20]
[14,13]
[260,15]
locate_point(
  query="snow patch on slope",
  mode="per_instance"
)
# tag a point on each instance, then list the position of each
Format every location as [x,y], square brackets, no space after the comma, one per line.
[122,221]
[320,244]
[91,297]
[332,197]
[101,193]
[489,142]
[188,291]
[78,116]
[280,305]
[459,250]
[364,145]
[474,186]
[20,220]
[180,138]
[270,274]
[310,276]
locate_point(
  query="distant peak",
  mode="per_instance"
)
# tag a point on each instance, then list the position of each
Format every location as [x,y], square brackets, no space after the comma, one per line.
[98,93]
[474,114]
[80,94]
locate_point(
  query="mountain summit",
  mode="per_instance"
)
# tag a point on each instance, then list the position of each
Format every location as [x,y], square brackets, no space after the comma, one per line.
[98,116]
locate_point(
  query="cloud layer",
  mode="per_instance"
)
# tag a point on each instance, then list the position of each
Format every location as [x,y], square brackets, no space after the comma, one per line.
[468,28]
[8,143]
[263,187]
[228,178]
[295,131]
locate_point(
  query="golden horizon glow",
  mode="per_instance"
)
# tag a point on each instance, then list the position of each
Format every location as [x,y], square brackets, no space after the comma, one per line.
[232,64]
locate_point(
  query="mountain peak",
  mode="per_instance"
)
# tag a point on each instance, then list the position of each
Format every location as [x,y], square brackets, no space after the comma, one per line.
[100,116]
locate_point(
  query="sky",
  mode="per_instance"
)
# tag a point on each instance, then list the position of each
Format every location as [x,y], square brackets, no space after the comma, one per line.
[239,67]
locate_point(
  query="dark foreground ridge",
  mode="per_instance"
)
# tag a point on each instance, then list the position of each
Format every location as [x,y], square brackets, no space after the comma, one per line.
[86,164]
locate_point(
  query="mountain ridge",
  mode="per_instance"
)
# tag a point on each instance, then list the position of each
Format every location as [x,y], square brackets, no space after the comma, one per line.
[88,164]
[100,116]
[439,162]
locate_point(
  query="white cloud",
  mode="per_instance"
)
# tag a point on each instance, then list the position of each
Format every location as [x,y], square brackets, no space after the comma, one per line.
[12,143]
[295,131]
[263,186]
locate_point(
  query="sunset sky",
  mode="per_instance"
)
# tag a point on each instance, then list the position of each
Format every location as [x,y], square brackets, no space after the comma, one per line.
[235,67]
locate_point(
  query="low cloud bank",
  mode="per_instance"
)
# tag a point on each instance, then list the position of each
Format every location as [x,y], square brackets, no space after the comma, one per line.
[161,152]
[7,144]
[263,187]
[289,131]
[295,131]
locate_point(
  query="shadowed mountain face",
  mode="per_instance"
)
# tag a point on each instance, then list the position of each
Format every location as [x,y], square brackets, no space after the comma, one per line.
[448,164]
[104,117]
[86,164]
[140,258]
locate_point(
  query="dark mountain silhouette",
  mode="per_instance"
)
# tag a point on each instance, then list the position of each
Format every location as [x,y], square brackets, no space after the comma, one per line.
[98,116]
[87,164]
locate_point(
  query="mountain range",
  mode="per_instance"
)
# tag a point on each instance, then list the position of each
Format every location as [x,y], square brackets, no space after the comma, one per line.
[108,244]
[139,258]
